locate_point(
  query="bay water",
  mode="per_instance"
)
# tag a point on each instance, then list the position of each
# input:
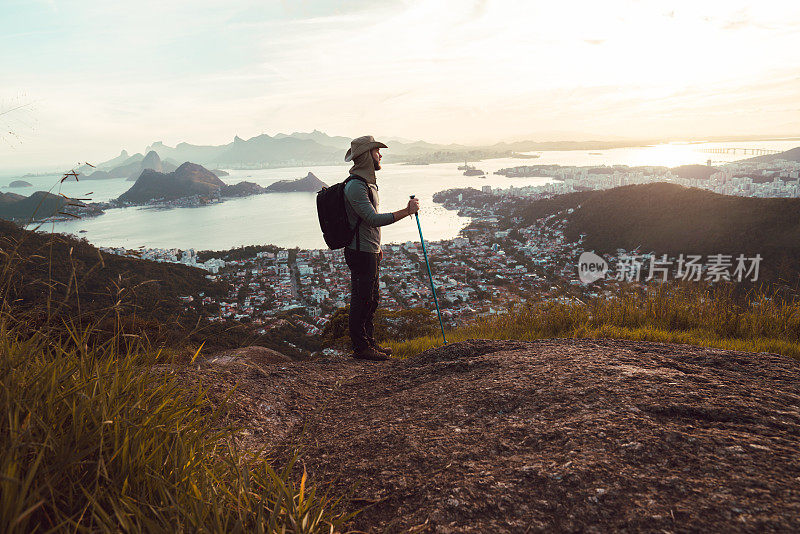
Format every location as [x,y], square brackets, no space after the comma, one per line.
[290,219]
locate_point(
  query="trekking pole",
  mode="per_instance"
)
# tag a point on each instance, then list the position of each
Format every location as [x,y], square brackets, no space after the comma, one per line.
[430,277]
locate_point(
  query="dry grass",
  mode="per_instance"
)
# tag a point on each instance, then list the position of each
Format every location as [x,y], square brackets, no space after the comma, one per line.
[670,313]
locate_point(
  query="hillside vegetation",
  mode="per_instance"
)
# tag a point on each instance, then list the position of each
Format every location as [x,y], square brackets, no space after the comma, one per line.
[97,440]
[72,280]
[670,312]
[671,219]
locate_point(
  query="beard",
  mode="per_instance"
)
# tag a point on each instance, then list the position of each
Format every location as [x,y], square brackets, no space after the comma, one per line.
[376,164]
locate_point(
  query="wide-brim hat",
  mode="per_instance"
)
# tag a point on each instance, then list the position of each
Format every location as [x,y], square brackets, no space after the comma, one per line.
[362,144]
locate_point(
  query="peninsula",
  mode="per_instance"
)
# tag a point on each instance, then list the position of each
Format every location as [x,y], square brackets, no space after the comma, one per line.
[191,182]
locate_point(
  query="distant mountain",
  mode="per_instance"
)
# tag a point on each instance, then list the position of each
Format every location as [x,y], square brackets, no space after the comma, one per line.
[129,168]
[119,160]
[41,205]
[204,155]
[152,162]
[286,151]
[187,180]
[20,183]
[126,168]
[313,148]
[219,173]
[788,155]
[113,162]
[671,219]
[319,148]
[310,183]
[337,142]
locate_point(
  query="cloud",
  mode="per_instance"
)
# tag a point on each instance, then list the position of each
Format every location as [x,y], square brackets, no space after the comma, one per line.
[109,75]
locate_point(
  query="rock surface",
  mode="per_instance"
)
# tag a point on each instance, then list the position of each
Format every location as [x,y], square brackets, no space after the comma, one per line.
[558,435]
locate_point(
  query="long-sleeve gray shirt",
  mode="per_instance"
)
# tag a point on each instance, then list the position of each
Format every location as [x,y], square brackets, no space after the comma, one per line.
[358,205]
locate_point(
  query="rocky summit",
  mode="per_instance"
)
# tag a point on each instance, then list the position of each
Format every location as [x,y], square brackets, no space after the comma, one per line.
[555,435]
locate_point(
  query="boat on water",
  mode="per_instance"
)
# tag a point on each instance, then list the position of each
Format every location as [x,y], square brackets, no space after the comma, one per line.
[469,170]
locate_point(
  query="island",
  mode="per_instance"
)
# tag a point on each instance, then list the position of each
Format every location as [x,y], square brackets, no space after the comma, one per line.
[310,184]
[20,183]
[242,189]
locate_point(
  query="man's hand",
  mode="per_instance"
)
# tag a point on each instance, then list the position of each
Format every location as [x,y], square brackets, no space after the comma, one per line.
[408,211]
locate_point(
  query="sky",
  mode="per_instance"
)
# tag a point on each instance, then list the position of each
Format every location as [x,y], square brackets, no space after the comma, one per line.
[82,79]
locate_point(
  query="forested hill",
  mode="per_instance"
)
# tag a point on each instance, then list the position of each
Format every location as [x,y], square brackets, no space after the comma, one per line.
[671,219]
[37,267]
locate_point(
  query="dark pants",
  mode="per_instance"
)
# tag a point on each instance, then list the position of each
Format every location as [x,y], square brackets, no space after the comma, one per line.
[364,296]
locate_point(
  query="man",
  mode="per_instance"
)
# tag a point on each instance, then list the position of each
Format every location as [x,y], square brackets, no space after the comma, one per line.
[364,253]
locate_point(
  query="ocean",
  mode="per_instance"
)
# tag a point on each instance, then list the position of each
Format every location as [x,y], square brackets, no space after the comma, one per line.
[290,220]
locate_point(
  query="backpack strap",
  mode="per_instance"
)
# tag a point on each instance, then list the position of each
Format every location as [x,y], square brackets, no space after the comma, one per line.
[371,200]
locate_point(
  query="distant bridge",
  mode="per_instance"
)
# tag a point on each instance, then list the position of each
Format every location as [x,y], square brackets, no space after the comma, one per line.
[737,150]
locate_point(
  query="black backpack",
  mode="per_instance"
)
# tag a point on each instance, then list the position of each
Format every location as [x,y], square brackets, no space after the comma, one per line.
[333,216]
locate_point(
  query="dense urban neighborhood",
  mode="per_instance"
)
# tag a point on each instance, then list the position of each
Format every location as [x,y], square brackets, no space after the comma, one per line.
[774,178]
[495,263]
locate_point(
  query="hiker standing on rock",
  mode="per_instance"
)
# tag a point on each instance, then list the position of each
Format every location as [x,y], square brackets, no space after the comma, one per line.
[363,254]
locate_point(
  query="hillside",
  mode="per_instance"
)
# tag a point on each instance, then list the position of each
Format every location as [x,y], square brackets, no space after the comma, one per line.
[554,435]
[187,180]
[145,295]
[788,155]
[41,205]
[672,219]
[41,261]
[10,198]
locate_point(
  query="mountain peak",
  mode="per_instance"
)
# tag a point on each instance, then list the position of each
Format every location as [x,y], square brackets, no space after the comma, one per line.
[187,180]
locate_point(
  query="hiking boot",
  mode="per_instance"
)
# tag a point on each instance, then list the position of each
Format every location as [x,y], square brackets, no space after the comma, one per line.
[386,350]
[369,353]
